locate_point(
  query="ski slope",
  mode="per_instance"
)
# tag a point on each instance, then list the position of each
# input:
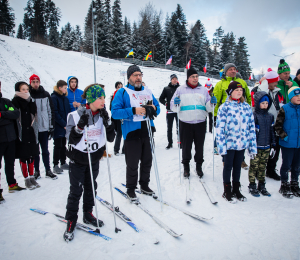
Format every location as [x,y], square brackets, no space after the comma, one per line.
[261,228]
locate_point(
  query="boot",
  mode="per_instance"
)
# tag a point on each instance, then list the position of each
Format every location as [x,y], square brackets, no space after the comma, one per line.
[245,166]
[262,189]
[252,189]
[37,174]
[88,218]
[69,233]
[273,175]
[28,184]
[15,187]
[186,170]
[131,195]
[227,195]
[146,190]
[57,170]
[33,181]
[50,175]
[285,190]
[295,188]
[169,146]
[199,170]
[1,197]
[236,191]
[64,166]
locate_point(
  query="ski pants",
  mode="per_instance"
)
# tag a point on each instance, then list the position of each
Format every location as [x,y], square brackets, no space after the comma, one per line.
[258,165]
[59,151]
[190,133]
[43,140]
[290,161]
[7,150]
[118,126]
[232,161]
[170,119]
[138,150]
[209,119]
[80,181]
[271,166]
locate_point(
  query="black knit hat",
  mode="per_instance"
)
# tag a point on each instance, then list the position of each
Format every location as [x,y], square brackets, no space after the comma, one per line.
[131,69]
[18,84]
[232,86]
[298,72]
[173,76]
[191,72]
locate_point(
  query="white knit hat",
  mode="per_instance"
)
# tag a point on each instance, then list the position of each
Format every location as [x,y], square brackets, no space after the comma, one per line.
[271,76]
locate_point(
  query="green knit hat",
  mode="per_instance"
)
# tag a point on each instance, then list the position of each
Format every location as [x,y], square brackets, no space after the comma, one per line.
[283,67]
[93,93]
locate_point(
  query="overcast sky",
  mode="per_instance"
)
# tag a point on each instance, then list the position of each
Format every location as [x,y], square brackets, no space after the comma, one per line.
[269,26]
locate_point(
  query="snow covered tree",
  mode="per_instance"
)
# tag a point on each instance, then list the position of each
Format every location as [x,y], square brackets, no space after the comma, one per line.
[7,18]
[127,45]
[227,48]
[52,18]
[209,57]
[77,39]
[67,39]
[217,61]
[88,31]
[169,40]
[136,43]
[241,58]
[20,33]
[117,32]
[158,51]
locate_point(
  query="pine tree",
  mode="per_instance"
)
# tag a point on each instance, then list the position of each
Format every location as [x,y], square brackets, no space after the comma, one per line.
[77,41]
[52,18]
[217,61]
[67,39]
[209,57]
[158,51]
[117,32]
[136,43]
[169,40]
[20,33]
[88,31]
[127,45]
[105,42]
[7,18]
[241,58]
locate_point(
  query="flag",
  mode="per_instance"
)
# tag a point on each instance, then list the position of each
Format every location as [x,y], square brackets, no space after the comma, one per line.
[149,55]
[204,69]
[188,65]
[221,72]
[130,53]
[251,76]
[169,62]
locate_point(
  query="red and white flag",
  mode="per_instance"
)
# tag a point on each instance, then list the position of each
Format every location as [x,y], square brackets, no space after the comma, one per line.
[188,65]
[251,76]
[169,62]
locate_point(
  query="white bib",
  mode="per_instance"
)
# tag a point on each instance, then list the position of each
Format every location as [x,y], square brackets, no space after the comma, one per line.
[95,135]
[137,98]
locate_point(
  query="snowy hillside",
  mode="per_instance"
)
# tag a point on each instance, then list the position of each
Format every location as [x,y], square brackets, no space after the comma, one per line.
[261,228]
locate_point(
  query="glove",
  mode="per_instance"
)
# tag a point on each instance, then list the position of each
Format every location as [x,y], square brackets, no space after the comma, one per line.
[105,117]
[272,153]
[50,133]
[286,138]
[177,101]
[83,121]
[150,112]
[213,100]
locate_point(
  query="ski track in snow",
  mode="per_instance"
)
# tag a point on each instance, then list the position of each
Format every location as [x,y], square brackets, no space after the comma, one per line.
[261,228]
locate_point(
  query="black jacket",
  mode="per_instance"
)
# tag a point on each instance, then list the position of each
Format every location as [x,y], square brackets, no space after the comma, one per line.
[9,114]
[264,123]
[297,81]
[167,94]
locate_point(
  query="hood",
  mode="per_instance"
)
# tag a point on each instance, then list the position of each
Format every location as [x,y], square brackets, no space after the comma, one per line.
[72,77]
[258,95]
[40,89]
[59,92]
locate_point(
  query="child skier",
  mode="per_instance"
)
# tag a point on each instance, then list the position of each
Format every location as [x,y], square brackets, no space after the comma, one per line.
[93,116]
[210,89]
[235,132]
[266,143]
[287,127]
[27,143]
[61,110]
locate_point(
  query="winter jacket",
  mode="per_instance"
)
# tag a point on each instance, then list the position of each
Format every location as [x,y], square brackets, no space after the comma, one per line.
[74,95]
[8,115]
[61,110]
[194,105]
[235,128]
[221,94]
[45,109]
[297,81]
[284,88]
[277,99]
[74,137]
[264,124]
[27,128]
[121,109]
[167,94]
[288,125]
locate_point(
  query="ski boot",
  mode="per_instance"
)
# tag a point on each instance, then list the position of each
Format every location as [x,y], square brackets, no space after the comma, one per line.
[146,190]
[252,190]
[131,195]
[285,190]
[186,170]
[88,218]
[199,170]
[69,233]
[262,189]
[236,191]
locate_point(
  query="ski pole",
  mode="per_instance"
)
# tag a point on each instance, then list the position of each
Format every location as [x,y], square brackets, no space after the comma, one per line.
[110,183]
[213,132]
[178,137]
[91,173]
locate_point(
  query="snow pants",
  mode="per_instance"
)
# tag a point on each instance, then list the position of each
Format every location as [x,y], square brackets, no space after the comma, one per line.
[59,151]
[190,133]
[80,181]
[170,119]
[118,127]
[232,161]
[290,161]
[138,150]
[7,149]
[258,165]
[209,119]
[43,140]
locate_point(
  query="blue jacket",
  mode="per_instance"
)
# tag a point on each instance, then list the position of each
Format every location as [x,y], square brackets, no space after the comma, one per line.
[61,110]
[291,126]
[74,95]
[121,109]
[264,123]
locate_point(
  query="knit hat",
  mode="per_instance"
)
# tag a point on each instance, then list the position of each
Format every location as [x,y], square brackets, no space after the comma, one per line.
[283,67]
[271,76]
[263,99]
[233,86]
[191,72]
[173,76]
[298,72]
[18,84]
[93,93]
[33,77]
[227,67]
[293,91]
[208,83]
[131,69]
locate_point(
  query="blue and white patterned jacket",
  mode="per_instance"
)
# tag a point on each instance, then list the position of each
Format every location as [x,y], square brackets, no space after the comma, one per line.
[235,128]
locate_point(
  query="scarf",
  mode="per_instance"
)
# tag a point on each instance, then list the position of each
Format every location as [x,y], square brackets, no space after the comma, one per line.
[93,113]
[25,96]
[190,85]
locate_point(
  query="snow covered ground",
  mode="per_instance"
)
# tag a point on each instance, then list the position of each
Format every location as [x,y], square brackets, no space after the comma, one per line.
[261,228]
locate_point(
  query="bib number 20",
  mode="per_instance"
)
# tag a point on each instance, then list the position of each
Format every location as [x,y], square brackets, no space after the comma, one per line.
[92,147]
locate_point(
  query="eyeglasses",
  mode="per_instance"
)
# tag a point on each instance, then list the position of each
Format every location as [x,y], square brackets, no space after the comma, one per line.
[194,77]
[137,75]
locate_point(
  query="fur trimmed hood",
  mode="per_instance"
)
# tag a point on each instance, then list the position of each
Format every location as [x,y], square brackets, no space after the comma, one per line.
[56,89]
